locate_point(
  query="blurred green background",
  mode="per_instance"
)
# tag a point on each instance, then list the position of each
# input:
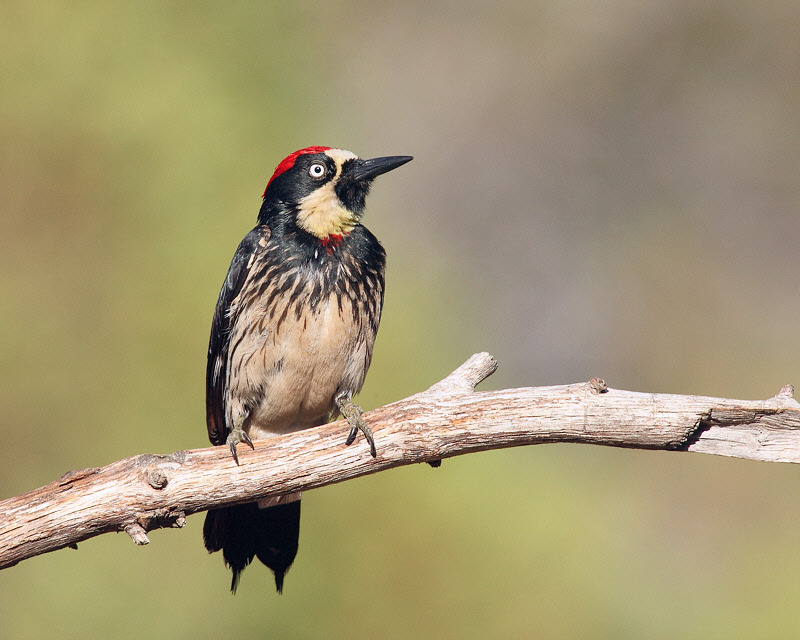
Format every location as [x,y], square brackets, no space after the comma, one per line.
[600,189]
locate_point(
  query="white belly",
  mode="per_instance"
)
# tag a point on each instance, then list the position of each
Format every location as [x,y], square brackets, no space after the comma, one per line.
[302,366]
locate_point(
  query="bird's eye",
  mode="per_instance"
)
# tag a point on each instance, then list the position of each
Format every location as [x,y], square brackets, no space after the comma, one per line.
[316,170]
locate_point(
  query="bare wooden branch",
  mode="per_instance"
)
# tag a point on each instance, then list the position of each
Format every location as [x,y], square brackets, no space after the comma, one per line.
[146,492]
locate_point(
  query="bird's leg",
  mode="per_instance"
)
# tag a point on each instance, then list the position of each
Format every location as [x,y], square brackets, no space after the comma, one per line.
[236,436]
[352,413]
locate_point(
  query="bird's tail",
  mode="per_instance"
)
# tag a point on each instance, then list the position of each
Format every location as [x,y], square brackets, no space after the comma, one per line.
[245,531]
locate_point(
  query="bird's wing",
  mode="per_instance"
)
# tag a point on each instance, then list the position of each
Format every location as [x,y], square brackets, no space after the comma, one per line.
[225,317]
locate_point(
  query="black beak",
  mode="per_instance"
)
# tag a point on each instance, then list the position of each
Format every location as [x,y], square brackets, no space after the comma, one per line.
[364,170]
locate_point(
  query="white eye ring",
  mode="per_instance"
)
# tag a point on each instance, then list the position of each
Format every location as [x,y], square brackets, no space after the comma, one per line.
[316,170]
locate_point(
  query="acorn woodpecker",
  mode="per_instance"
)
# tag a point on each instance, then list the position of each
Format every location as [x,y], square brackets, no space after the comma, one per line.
[292,334]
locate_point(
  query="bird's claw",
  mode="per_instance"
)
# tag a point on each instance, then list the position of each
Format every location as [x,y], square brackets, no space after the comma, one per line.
[235,437]
[352,413]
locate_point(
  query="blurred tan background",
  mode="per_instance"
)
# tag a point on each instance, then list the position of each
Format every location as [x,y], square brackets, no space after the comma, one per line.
[600,189]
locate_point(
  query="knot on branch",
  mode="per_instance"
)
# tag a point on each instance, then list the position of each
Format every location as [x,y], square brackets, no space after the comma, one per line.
[598,385]
[156,478]
[155,467]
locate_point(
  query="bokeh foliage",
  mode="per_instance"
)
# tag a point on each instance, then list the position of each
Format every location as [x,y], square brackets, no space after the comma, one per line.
[599,189]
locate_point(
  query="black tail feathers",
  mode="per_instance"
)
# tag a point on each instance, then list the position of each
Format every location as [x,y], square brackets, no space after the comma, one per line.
[244,531]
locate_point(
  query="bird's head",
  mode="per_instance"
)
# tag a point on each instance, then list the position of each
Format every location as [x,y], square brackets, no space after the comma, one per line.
[322,189]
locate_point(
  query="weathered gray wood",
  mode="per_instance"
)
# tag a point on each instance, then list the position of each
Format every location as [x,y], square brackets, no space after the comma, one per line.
[145,492]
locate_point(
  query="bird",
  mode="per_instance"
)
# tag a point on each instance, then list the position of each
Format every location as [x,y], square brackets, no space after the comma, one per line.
[292,334]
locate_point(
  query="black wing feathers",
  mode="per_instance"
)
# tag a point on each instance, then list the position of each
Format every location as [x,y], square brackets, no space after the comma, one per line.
[254,243]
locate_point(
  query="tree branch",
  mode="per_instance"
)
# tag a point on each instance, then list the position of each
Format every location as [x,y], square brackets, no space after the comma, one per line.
[146,492]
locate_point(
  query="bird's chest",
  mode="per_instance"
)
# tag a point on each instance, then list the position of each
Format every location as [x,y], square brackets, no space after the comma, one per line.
[316,319]
[307,344]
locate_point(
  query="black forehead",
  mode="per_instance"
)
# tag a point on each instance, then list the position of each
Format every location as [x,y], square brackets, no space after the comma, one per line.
[295,183]
[306,160]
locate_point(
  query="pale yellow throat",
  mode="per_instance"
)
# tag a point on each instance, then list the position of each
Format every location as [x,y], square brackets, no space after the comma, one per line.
[322,213]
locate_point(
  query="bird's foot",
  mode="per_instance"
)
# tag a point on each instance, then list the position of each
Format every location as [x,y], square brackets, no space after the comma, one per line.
[352,413]
[235,437]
